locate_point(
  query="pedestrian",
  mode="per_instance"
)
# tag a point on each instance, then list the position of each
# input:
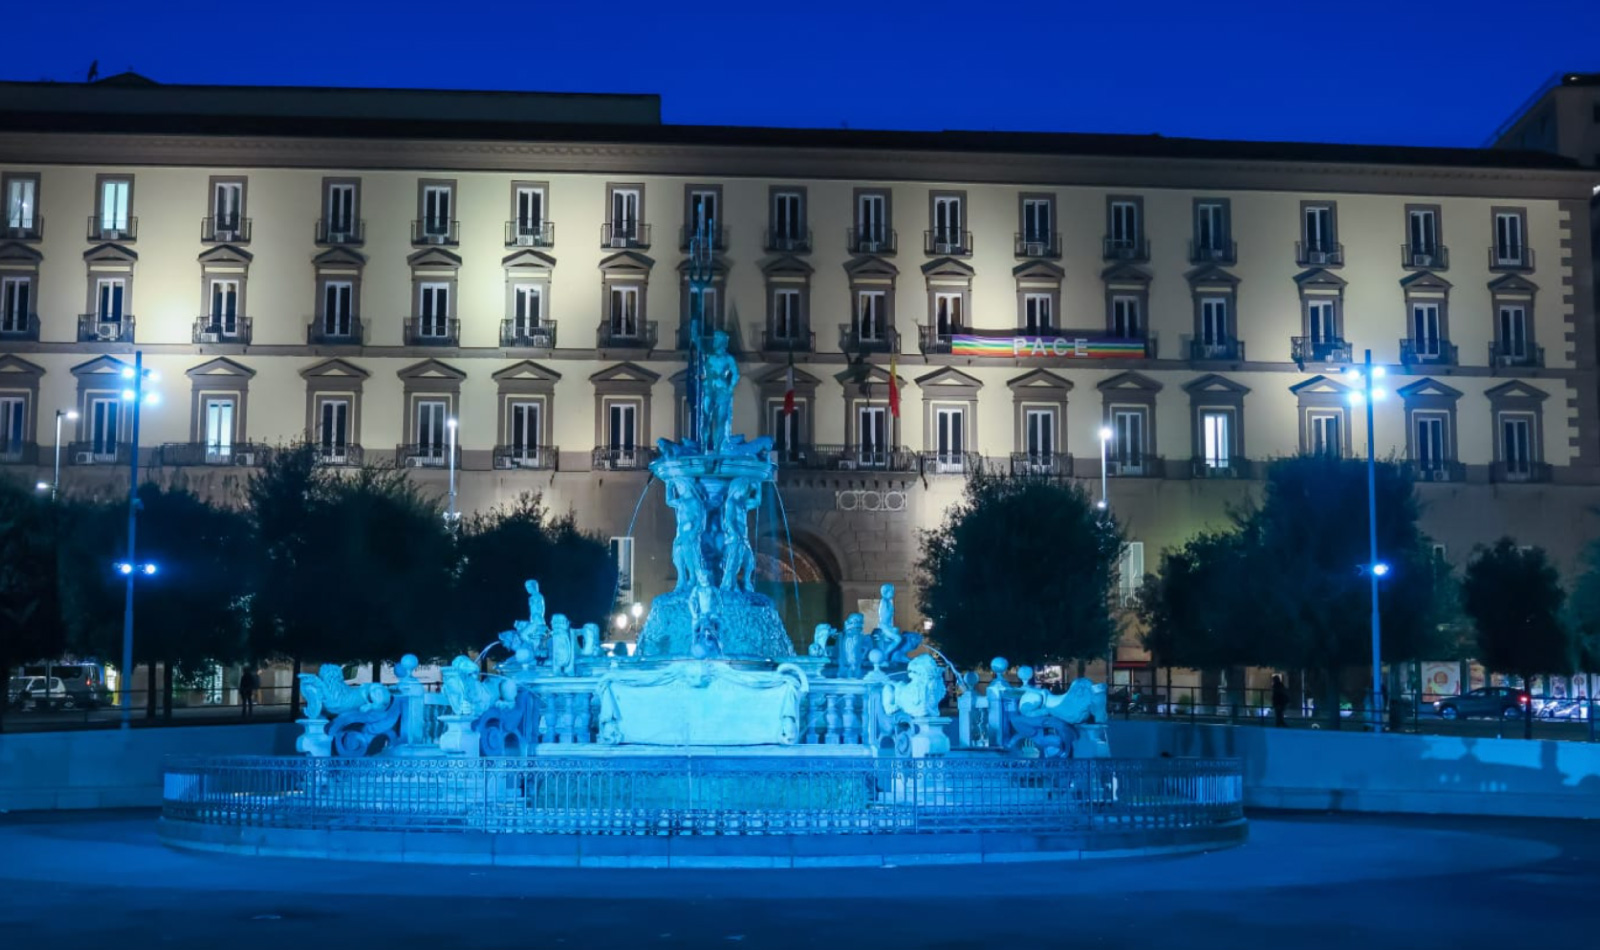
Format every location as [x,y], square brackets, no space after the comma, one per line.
[249,682]
[1280,699]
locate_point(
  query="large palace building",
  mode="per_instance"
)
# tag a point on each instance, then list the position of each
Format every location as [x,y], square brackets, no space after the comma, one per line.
[357,268]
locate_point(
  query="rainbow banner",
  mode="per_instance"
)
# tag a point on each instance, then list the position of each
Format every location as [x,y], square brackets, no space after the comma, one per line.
[1082,348]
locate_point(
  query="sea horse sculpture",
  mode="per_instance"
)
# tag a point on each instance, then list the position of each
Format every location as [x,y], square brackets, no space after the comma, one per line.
[328,692]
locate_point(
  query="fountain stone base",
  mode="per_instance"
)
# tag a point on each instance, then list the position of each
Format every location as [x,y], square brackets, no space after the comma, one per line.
[748,626]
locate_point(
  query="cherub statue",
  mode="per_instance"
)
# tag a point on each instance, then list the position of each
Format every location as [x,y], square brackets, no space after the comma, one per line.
[819,641]
[467,694]
[853,647]
[716,394]
[687,557]
[535,609]
[563,647]
[589,640]
[920,695]
[737,444]
[887,635]
[328,692]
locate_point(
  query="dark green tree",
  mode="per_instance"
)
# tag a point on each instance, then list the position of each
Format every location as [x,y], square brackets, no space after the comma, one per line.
[30,615]
[1515,600]
[1189,611]
[286,498]
[1022,568]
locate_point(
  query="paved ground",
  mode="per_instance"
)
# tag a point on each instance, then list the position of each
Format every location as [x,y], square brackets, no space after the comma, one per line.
[102,880]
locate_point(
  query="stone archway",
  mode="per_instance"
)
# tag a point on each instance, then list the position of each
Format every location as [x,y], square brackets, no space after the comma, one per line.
[802,577]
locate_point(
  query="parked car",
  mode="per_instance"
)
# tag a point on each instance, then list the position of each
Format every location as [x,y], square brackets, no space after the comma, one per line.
[30,692]
[85,680]
[1501,702]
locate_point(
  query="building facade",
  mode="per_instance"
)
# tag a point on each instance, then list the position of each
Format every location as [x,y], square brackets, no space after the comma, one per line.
[360,279]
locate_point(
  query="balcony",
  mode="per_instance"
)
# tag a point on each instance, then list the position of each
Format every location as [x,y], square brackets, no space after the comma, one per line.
[1317,254]
[684,340]
[210,329]
[30,231]
[348,232]
[233,230]
[93,328]
[19,326]
[526,233]
[1522,355]
[716,235]
[350,331]
[951,463]
[1523,471]
[1230,468]
[540,336]
[803,341]
[1217,350]
[947,243]
[885,341]
[933,339]
[1224,253]
[626,235]
[196,454]
[636,336]
[1427,353]
[871,240]
[620,458]
[1512,257]
[432,331]
[1039,246]
[425,455]
[1136,250]
[1142,466]
[19,453]
[435,232]
[538,458]
[329,453]
[1041,464]
[1304,349]
[787,241]
[1436,471]
[1424,257]
[95,453]
[851,458]
[102,230]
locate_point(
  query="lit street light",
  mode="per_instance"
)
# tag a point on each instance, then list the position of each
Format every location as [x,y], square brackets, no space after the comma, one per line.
[1366,396]
[1105,440]
[137,395]
[55,486]
[450,436]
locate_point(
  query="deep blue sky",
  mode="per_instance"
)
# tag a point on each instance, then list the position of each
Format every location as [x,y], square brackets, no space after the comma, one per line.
[1444,72]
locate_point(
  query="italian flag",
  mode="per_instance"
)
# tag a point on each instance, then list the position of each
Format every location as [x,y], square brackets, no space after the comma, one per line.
[894,387]
[788,388]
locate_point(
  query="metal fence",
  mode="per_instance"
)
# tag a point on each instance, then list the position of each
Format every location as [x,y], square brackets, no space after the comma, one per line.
[638,795]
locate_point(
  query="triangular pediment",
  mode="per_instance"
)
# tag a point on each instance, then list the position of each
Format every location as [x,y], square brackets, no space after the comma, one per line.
[786,265]
[1517,389]
[15,251]
[526,371]
[1319,277]
[334,368]
[1424,280]
[111,252]
[434,257]
[870,266]
[628,262]
[1512,284]
[625,372]
[12,366]
[1320,384]
[339,257]
[948,267]
[719,268]
[225,254]
[1428,387]
[220,367]
[1041,380]
[951,377]
[869,373]
[101,366]
[1214,383]
[1125,273]
[431,369]
[528,259]
[1129,382]
[1039,270]
[779,374]
[1210,275]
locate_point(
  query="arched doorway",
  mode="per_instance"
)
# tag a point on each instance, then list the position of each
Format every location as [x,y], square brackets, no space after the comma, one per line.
[803,580]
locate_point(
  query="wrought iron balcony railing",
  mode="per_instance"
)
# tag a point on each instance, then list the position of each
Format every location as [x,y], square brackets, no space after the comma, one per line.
[861,458]
[1225,253]
[349,331]
[1038,245]
[951,463]
[871,240]
[683,339]
[1232,467]
[23,231]
[1051,464]
[1315,254]
[1425,256]
[1213,349]
[19,326]
[234,230]
[791,241]
[1511,257]
[1140,466]
[102,230]
[947,243]
[213,329]
[799,341]
[1427,352]
[542,458]
[623,235]
[347,232]
[1125,249]
[885,340]
[1523,355]
[332,453]
[525,232]
[1437,470]
[244,454]
[634,336]
[1520,471]
[94,328]
[541,335]
[1304,349]
[439,231]
[95,453]
[718,236]
[432,331]
[620,458]
[933,339]
[19,453]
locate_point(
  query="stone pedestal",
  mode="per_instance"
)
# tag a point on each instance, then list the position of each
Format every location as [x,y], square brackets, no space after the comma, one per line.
[928,738]
[1091,742]
[458,738]
[314,739]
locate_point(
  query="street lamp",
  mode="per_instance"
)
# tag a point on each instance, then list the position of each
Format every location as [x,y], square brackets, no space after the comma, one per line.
[1105,440]
[55,486]
[450,437]
[137,376]
[1368,394]
[637,610]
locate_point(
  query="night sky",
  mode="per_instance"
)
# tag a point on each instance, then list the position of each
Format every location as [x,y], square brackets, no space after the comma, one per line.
[1445,72]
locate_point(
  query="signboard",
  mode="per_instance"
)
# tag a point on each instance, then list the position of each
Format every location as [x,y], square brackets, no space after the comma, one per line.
[1080,347]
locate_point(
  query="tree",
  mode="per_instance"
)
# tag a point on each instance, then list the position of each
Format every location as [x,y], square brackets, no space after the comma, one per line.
[500,548]
[1583,612]
[30,616]
[1189,611]
[1514,598]
[1021,568]
[286,498]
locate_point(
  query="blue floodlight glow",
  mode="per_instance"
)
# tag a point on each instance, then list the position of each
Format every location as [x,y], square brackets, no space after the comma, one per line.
[124,568]
[128,395]
[127,372]
[1378,371]
[1378,392]
[1357,399]
[150,569]
[1380,569]
[152,398]
[42,486]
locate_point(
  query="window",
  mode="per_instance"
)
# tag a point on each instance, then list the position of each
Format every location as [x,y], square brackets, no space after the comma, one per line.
[341,211]
[703,301]
[1513,332]
[872,220]
[530,215]
[1321,323]
[871,319]
[1423,232]
[625,312]
[333,430]
[1425,330]
[1039,435]
[22,199]
[1037,312]
[1326,433]
[1124,226]
[1127,440]
[949,437]
[788,220]
[872,431]
[1508,245]
[13,426]
[1216,443]
[1428,442]
[947,315]
[109,292]
[1038,225]
[219,429]
[16,302]
[526,308]
[622,430]
[103,417]
[947,225]
[786,313]
[227,207]
[224,307]
[624,216]
[115,207]
[433,310]
[525,422]
[337,315]
[703,214]
[1319,231]
[1210,228]
[430,428]
[1516,445]
[1130,573]
[787,428]
[1213,321]
[1125,317]
[437,201]
[622,557]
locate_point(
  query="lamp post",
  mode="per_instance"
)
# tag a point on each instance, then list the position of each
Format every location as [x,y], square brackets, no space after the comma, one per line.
[1105,441]
[1376,569]
[450,438]
[71,414]
[131,567]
